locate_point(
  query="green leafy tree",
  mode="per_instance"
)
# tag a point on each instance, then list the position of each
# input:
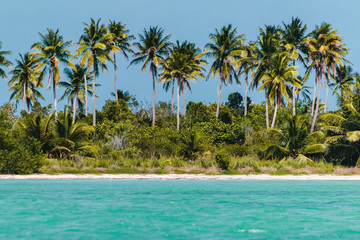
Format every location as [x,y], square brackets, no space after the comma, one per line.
[152,47]
[224,48]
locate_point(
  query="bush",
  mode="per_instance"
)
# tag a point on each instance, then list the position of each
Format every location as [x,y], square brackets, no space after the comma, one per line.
[222,159]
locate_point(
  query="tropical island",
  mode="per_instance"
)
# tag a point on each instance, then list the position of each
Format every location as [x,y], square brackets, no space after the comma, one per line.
[291,132]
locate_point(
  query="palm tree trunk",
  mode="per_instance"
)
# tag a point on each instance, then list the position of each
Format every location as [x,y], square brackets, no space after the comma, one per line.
[74,108]
[246,93]
[93,97]
[294,95]
[326,97]
[294,101]
[219,98]
[313,101]
[178,108]
[316,113]
[185,102]
[86,96]
[153,103]
[172,96]
[55,101]
[115,73]
[274,118]
[24,97]
[266,110]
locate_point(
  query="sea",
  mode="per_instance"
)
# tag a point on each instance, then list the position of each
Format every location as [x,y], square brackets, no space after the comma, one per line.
[179,209]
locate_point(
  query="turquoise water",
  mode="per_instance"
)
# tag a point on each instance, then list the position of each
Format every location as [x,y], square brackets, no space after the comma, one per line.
[144,209]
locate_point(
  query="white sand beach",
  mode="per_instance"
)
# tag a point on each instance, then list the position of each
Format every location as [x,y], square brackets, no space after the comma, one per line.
[263,177]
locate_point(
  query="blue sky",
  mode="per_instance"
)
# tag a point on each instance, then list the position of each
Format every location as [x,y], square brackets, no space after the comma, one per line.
[20,22]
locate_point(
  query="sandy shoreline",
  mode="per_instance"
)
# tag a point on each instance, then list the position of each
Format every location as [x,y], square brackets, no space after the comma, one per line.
[263,177]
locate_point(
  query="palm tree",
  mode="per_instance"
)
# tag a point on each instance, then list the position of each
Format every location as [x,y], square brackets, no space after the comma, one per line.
[247,63]
[152,47]
[267,46]
[323,42]
[92,47]
[25,81]
[293,34]
[224,48]
[52,50]
[126,96]
[72,137]
[293,141]
[344,79]
[75,89]
[276,81]
[185,65]
[38,126]
[119,41]
[4,62]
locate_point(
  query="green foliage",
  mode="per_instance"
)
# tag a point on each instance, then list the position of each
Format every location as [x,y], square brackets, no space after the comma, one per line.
[222,158]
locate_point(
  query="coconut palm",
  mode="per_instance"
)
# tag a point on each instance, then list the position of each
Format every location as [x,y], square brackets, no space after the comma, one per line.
[267,46]
[183,64]
[152,47]
[323,42]
[119,42]
[4,62]
[293,34]
[344,80]
[26,78]
[277,79]
[52,49]
[226,45]
[247,64]
[92,47]
[75,88]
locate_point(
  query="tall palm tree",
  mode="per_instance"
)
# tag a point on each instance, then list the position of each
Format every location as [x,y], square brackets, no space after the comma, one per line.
[92,47]
[183,64]
[323,42]
[52,50]
[152,47]
[224,48]
[4,62]
[344,79]
[119,42]
[293,34]
[25,81]
[75,88]
[247,64]
[277,81]
[335,57]
[267,46]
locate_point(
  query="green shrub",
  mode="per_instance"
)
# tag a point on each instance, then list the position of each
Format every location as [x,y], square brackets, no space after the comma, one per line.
[222,159]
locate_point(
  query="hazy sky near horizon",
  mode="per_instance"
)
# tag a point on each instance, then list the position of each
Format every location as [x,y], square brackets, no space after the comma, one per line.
[22,20]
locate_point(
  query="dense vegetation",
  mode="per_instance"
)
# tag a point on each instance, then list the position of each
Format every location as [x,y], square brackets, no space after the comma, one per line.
[290,129]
